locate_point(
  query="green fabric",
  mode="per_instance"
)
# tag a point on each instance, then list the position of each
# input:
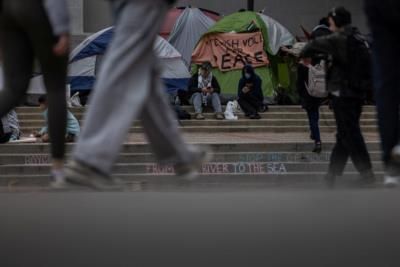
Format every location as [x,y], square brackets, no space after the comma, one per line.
[280,72]
[229,81]
[242,22]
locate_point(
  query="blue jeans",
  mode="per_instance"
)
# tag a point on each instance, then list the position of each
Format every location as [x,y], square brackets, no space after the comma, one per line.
[197,100]
[384,22]
[313,120]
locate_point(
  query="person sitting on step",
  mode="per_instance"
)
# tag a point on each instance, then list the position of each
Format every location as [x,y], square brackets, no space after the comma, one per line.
[204,90]
[73,128]
[250,95]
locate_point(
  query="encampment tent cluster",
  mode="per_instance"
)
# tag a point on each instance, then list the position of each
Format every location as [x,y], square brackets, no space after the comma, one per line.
[191,36]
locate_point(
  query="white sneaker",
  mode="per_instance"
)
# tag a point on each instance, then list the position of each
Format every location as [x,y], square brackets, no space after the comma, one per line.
[390,181]
[396,154]
[190,171]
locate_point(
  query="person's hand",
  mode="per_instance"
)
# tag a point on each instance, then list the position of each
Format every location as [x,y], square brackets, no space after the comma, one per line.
[246,89]
[205,90]
[61,48]
[211,90]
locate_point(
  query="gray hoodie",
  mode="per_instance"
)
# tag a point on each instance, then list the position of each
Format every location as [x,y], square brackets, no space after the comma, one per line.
[57,11]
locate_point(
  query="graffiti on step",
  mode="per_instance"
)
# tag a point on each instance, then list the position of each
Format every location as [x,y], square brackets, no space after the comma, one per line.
[284,157]
[37,159]
[226,168]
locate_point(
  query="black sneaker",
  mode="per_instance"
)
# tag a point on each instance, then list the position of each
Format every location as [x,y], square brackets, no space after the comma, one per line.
[330,180]
[255,116]
[318,148]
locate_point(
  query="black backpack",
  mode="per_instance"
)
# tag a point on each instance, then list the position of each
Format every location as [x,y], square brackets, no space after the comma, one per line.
[358,67]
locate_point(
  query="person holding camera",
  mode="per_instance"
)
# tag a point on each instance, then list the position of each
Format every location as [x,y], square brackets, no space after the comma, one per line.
[347,72]
[204,90]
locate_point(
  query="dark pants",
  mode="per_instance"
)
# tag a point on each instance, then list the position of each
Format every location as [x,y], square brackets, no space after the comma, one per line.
[384,22]
[313,120]
[26,34]
[349,139]
[249,104]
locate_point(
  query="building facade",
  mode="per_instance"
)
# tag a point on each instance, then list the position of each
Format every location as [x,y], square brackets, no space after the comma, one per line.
[93,15]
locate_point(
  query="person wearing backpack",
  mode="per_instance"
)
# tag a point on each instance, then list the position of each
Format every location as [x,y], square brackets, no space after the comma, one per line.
[384,22]
[311,86]
[347,76]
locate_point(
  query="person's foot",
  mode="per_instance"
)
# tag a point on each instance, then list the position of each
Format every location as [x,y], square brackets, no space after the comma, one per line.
[79,174]
[255,116]
[367,178]
[312,137]
[199,116]
[247,115]
[396,154]
[330,180]
[57,179]
[317,148]
[219,116]
[189,171]
[390,181]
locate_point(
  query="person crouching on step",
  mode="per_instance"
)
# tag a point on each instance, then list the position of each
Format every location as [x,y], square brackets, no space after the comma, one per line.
[73,128]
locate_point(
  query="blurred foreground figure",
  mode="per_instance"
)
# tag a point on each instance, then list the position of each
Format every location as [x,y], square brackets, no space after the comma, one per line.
[128,88]
[346,80]
[384,21]
[29,30]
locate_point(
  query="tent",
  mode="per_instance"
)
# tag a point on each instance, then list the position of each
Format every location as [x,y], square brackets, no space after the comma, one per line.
[187,31]
[86,58]
[245,38]
[174,15]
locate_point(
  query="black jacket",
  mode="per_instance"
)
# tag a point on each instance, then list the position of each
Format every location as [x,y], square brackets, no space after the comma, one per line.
[334,45]
[194,85]
[255,81]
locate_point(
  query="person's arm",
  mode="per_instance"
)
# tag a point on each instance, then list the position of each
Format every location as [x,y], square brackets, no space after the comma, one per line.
[193,86]
[215,85]
[57,11]
[240,87]
[258,89]
[323,45]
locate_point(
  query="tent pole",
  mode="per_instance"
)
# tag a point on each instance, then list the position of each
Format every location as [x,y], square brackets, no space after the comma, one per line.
[250,5]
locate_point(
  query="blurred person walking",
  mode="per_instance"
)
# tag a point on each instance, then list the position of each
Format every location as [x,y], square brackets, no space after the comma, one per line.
[129,87]
[347,74]
[29,30]
[384,22]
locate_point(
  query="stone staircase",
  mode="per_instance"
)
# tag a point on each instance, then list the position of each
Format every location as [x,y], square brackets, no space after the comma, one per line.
[242,161]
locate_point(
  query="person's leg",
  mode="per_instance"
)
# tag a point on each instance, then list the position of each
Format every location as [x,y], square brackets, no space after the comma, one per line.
[384,22]
[313,117]
[54,69]
[197,102]
[161,128]
[123,85]
[17,60]
[246,106]
[353,138]
[216,102]
[339,155]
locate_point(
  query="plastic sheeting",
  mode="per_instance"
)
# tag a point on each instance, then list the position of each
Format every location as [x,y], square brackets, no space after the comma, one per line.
[187,31]
[278,35]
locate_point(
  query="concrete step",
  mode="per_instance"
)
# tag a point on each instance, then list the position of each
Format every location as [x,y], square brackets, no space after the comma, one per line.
[267,115]
[239,129]
[301,157]
[219,123]
[272,108]
[221,180]
[235,168]
[290,147]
